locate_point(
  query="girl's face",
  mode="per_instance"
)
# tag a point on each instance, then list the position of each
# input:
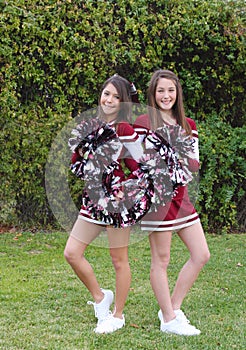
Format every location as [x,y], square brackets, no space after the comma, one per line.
[110,102]
[165,94]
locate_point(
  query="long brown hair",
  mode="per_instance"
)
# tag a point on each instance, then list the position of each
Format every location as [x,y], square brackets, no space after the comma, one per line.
[178,108]
[123,89]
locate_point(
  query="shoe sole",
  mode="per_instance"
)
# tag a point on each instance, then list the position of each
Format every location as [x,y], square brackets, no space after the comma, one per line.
[185,335]
[108,332]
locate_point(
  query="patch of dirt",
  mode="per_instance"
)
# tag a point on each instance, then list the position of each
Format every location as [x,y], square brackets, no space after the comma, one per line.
[9,229]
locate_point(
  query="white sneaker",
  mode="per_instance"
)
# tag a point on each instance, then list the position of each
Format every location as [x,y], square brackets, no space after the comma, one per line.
[179,314]
[177,326]
[110,325]
[101,309]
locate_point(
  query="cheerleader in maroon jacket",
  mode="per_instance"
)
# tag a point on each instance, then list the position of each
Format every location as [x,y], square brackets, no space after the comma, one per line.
[114,110]
[167,112]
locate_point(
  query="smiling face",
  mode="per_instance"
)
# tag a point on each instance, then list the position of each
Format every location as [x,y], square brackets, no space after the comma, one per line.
[165,94]
[110,102]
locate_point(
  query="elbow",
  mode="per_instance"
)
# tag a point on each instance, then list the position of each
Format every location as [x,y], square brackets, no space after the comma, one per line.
[193,165]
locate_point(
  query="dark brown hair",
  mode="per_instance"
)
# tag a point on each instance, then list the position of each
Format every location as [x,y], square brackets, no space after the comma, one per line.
[178,108]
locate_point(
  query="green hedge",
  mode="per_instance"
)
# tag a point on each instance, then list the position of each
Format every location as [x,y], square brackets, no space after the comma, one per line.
[55,55]
[222,175]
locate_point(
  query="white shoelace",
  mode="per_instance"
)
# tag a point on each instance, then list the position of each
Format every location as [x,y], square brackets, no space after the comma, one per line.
[181,313]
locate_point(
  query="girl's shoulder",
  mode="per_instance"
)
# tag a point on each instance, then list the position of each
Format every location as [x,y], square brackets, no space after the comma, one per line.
[192,123]
[142,121]
[124,128]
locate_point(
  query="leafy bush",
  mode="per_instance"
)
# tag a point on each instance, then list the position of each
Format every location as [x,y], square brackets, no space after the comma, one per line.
[222,175]
[56,54]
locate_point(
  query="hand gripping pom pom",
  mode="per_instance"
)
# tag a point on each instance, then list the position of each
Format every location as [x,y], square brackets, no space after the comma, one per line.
[98,145]
[138,192]
[181,143]
[170,144]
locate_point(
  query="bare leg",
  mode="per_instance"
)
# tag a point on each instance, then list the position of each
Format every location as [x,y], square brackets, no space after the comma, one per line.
[194,238]
[160,244]
[118,242]
[74,254]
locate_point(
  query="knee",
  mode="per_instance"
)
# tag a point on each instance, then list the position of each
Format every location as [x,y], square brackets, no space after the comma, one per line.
[203,258]
[160,262]
[69,255]
[119,262]
[206,257]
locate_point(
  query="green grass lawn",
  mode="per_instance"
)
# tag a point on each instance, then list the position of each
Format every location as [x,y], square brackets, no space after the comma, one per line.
[44,306]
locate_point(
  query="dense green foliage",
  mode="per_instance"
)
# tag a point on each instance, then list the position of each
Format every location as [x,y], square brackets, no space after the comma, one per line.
[55,55]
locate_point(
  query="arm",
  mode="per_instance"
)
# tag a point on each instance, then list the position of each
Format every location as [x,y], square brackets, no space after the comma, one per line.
[75,157]
[193,157]
[130,141]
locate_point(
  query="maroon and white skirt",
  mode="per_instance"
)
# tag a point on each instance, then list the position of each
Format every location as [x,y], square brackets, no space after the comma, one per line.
[84,214]
[175,215]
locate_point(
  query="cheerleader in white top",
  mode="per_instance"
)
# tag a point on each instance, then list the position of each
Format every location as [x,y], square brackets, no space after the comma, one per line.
[166,117]
[99,155]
